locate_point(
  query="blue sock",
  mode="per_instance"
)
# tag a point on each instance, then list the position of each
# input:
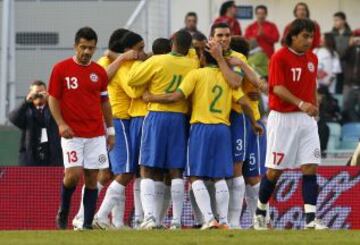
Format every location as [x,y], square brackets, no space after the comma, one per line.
[310,194]
[90,198]
[266,189]
[66,194]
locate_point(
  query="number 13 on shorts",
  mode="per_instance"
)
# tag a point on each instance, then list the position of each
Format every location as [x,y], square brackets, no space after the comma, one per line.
[278,157]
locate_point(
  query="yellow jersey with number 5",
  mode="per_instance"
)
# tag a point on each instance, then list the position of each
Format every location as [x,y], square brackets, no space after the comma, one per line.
[163,74]
[211,95]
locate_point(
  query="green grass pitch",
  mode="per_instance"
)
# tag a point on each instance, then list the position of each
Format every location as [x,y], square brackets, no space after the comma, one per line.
[191,237]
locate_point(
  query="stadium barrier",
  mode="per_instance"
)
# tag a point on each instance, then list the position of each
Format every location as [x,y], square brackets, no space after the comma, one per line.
[29,199]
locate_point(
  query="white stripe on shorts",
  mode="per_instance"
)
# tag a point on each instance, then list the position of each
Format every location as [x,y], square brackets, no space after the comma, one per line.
[127,148]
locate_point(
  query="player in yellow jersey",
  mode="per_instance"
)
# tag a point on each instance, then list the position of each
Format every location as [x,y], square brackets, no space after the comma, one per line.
[105,175]
[123,101]
[220,33]
[164,136]
[209,147]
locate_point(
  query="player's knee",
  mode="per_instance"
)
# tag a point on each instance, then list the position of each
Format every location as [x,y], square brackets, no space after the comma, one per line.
[104,177]
[238,169]
[175,173]
[252,180]
[124,179]
[146,172]
[72,176]
[309,169]
[273,174]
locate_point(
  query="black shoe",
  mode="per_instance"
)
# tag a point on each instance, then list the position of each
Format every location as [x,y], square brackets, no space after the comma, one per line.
[61,219]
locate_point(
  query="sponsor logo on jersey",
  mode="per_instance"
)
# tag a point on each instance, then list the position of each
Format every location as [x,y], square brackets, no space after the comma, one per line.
[311,67]
[93,77]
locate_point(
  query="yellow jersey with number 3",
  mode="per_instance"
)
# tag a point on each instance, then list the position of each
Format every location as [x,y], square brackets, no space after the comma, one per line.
[246,87]
[211,95]
[163,74]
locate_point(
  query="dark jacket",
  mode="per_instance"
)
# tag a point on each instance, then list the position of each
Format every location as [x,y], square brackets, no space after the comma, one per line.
[30,122]
[352,65]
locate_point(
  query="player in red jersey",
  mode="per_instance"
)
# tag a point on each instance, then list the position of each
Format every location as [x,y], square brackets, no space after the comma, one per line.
[78,101]
[293,139]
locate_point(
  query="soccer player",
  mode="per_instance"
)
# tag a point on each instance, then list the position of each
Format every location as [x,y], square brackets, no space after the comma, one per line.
[105,175]
[164,138]
[293,140]
[220,33]
[125,104]
[79,104]
[209,149]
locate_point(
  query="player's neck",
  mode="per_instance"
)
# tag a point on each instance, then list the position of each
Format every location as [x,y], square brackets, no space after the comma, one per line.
[295,52]
[80,64]
[174,53]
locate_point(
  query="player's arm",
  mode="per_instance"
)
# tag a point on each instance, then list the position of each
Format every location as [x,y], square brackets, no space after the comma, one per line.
[245,105]
[249,73]
[233,79]
[119,59]
[64,129]
[110,131]
[283,93]
[163,98]
[142,73]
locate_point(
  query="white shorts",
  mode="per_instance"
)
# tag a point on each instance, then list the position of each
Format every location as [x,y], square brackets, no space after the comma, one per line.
[89,153]
[292,140]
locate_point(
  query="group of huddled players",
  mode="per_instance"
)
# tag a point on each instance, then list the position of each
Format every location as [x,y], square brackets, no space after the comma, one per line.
[189,109]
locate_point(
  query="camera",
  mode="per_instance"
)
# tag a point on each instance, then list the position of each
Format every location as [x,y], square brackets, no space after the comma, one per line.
[37,96]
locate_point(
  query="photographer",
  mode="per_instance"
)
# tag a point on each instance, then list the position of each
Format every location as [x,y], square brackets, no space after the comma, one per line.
[40,140]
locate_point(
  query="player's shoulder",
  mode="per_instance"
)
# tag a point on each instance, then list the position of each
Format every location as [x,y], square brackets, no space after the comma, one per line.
[282,53]
[64,62]
[98,69]
[237,55]
[104,61]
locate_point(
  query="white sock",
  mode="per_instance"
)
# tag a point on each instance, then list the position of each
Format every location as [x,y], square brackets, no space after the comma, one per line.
[236,190]
[177,197]
[198,218]
[138,212]
[222,200]
[80,213]
[210,186]
[147,194]
[202,199]
[159,200]
[118,211]
[166,202]
[251,197]
[113,195]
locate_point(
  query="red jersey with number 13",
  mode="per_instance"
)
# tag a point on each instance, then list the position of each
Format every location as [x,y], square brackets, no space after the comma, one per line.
[79,90]
[296,72]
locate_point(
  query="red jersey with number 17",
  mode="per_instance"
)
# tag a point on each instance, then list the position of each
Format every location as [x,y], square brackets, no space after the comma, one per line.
[80,90]
[296,72]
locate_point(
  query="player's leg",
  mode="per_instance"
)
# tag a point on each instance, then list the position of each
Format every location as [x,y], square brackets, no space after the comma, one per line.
[176,160]
[309,156]
[159,195]
[95,158]
[73,162]
[236,184]
[167,196]
[147,187]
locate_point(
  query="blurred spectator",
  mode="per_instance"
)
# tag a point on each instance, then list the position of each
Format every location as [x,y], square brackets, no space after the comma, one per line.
[352,61]
[329,62]
[342,34]
[264,32]
[191,21]
[301,11]
[329,111]
[351,111]
[40,140]
[258,59]
[228,15]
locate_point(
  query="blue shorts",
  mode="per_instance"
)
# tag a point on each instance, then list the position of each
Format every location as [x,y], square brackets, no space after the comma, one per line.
[209,153]
[163,143]
[119,156]
[254,164]
[135,132]
[239,135]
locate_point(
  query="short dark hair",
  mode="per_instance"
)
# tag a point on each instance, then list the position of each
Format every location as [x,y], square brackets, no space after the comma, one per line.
[240,44]
[225,6]
[329,43]
[130,39]
[209,59]
[296,27]
[341,15]
[305,6]
[115,44]
[161,46]
[191,14]
[261,7]
[218,25]
[198,36]
[183,40]
[38,83]
[86,33]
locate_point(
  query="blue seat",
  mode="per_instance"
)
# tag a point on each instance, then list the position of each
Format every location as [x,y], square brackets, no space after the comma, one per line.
[334,137]
[350,130]
[349,144]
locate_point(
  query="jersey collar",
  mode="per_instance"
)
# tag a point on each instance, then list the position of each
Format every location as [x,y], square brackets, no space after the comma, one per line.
[176,54]
[294,52]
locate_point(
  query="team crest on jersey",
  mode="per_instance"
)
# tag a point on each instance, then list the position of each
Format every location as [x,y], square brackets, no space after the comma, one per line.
[93,77]
[102,158]
[311,67]
[317,153]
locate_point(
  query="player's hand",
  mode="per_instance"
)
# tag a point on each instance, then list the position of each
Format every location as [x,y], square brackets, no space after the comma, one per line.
[146,96]
[258,129]
[110,141]
[309,109]
[254,95]
[233,61]
[130,55]
[65,131]
[30,96]
[215,49]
